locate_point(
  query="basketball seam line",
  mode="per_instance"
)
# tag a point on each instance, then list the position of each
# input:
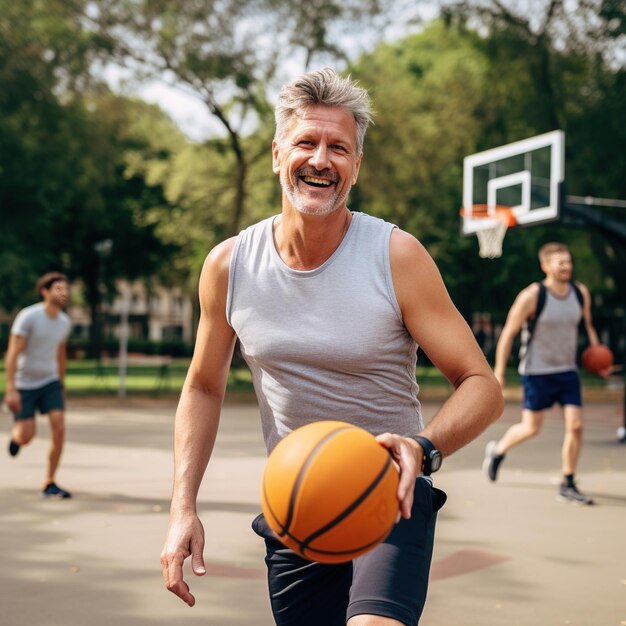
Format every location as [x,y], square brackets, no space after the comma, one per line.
[296,485]
[304,544]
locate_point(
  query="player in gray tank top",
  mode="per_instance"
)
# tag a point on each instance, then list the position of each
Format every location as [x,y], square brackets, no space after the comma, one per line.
[547,364]
[329,330]
[554,342]
[329,307]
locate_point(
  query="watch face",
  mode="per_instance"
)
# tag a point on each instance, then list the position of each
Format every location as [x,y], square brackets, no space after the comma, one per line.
[435,461]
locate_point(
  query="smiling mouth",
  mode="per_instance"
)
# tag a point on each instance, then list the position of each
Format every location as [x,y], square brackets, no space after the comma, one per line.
[314,181]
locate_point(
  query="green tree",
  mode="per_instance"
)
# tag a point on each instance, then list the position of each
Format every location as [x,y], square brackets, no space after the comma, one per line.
[43,53]
[113,202]
[561,67]
[425,91]
[64,143]
[428,91]
[448,92]
[229,55]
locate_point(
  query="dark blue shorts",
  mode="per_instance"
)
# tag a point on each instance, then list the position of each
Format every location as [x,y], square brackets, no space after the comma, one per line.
[541,391]
[43,399]
[391,580]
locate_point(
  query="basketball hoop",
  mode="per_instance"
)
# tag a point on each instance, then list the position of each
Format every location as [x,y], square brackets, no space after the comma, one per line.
[491,236]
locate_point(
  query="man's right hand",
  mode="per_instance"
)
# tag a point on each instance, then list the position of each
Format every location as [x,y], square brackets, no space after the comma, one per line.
[185,537]
[13,400]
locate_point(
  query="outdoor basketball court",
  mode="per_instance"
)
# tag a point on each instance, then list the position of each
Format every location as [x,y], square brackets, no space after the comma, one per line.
[506,553]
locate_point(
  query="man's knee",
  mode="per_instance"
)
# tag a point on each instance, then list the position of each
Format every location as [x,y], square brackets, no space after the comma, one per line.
[532,423]
[534,430]
[574,427]
[23,438]
[23,431]
[57,424]
[573,420]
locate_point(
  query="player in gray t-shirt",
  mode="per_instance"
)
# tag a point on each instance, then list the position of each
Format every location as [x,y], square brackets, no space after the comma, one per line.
[35,368]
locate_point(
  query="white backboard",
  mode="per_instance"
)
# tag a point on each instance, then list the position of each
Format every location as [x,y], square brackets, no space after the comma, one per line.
[525,176]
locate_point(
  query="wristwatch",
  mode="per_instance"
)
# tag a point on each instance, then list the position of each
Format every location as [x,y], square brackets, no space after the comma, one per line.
[432,457]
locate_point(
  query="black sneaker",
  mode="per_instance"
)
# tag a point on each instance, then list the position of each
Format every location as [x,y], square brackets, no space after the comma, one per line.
[52,490]
[492,460]
[14,448]
[571,494]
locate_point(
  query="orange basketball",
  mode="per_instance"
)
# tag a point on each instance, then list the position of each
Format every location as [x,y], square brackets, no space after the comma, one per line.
[597,358]
[329,491]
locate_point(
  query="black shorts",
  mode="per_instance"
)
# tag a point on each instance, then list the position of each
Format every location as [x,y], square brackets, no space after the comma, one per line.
[43,399]
[391,580]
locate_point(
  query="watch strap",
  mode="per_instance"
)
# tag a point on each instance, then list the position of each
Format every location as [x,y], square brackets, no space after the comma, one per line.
[429,448]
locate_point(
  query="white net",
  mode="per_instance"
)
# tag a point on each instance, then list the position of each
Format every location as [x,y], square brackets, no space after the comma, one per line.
[490,239]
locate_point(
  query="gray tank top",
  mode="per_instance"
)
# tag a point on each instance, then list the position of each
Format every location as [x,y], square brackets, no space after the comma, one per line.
[553,346]
[328,343]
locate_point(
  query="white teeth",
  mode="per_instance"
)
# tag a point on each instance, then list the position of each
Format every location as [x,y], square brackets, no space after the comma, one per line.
[316,181]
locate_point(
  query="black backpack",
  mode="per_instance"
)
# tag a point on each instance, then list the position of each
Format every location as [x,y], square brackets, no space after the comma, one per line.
[541,302]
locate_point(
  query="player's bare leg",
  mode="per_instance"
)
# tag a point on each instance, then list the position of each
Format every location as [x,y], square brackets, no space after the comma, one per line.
[23,431]
[570,452]
[529,426]
[57,440]
[572,441]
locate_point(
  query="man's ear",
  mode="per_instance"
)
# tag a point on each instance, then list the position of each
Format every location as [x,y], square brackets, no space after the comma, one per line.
[357,168]
[275,157]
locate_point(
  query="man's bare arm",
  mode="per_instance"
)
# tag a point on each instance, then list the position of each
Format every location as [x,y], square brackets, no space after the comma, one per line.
[196,422]
[443,334]
[587,317]
[17,344]
[522,309]
[62,360]
[437,326]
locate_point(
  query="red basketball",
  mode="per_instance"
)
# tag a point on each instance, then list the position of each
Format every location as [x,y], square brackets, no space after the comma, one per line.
[329,491]
[597,358]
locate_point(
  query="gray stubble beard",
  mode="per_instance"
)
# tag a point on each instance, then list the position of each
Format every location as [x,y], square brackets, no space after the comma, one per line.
[296,201]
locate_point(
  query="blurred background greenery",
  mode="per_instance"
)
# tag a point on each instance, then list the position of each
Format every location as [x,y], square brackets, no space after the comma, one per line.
[86,377]
[85,159]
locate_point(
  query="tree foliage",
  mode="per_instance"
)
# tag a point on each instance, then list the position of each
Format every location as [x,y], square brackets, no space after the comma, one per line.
[64,182]
[561,65]
[79,165]
[42,53]
[460,87]
[227,53]
[425,90]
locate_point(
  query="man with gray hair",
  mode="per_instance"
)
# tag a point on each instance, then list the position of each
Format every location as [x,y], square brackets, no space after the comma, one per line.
[329,306]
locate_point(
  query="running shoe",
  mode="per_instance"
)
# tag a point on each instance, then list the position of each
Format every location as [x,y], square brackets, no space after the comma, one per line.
[14,448]
[52,490]
[492,461]
[571,494]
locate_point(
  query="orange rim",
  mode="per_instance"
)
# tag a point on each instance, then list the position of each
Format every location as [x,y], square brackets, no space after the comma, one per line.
[480,211]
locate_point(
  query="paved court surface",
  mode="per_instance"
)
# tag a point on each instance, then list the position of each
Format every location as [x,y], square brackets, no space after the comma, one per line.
[507,554]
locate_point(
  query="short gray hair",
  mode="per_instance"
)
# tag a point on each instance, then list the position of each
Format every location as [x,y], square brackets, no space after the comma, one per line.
[328,88]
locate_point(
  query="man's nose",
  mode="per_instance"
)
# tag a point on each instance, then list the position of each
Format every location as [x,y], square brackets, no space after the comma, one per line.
[319,159]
